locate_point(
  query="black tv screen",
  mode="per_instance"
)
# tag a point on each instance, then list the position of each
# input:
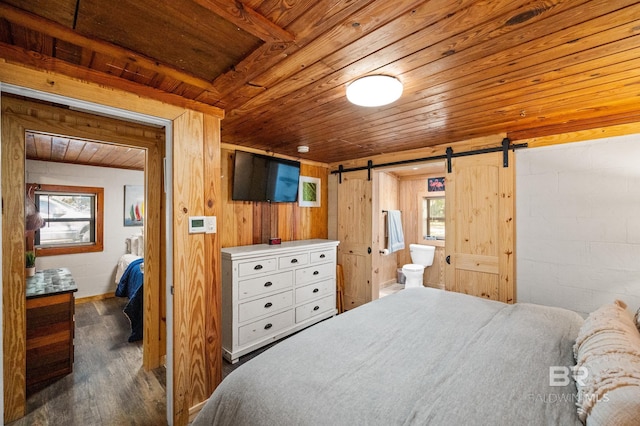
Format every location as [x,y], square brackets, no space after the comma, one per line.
[262,178]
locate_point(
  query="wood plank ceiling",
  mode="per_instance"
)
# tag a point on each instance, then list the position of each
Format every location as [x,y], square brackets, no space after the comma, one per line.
[279,68]
[62,149]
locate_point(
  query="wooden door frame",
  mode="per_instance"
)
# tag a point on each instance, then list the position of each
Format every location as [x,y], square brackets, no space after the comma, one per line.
[16,121]
[194,359]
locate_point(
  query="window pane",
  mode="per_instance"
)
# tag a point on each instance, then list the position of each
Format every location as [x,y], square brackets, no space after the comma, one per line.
[433,217]
[69,219]
[436,228]
[436,208]
[65,232]
[73,219]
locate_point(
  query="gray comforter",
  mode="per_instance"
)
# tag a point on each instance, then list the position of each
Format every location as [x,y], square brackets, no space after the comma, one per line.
[420,356]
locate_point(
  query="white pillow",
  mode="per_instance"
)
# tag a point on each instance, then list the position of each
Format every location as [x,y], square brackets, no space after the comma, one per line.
[608,350]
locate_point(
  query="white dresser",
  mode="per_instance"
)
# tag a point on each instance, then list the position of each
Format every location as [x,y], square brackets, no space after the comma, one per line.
[269,292]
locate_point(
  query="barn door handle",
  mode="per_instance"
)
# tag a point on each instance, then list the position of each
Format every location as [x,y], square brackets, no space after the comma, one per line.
[448,260]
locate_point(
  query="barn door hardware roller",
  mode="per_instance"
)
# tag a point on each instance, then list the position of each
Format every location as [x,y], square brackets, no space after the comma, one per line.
[504,147]
[505,152]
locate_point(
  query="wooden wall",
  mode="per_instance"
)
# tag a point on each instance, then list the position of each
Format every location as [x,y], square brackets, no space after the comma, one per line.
[13,280]
[248,223]
[197,267]
[412,189]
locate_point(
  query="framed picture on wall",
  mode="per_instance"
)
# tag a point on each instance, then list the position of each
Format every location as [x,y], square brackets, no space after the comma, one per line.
[435,184]
[133,205]
[309,192]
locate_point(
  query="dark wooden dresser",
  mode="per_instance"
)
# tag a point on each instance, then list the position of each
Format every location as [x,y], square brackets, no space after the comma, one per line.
[50,327]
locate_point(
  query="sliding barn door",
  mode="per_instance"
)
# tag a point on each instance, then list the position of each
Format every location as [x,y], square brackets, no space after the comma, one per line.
[480,227]
[354,234]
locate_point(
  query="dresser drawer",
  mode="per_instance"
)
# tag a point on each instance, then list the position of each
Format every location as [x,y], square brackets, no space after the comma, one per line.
[315,273]
[253,267]
[322,255]
[293,260]
[314,291]
[265,284]
[264,327]
[314,308]
[257,308]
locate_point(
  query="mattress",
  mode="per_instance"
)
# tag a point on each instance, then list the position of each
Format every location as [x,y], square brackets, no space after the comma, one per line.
[420,356]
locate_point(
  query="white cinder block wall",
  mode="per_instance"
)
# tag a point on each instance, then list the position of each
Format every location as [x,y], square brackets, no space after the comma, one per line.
[94,273]
[578,224]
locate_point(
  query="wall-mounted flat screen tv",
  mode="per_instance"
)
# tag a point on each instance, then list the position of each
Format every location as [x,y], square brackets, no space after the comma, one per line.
[262,178]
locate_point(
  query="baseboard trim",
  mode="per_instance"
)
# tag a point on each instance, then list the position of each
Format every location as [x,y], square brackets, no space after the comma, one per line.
[388,283]
[94,298]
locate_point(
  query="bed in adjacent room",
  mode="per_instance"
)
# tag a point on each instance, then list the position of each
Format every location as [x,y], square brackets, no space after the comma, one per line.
[129,280]
[421,356]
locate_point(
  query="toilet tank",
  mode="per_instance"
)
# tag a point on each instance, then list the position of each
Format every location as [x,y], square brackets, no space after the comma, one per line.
[422,254]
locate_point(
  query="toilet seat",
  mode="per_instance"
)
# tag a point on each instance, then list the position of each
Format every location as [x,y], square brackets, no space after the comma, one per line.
[413,267]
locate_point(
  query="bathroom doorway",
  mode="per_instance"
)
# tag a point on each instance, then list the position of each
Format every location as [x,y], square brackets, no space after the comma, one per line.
[407,188]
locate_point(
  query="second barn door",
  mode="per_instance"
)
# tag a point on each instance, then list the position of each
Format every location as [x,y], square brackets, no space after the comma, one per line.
[480,229]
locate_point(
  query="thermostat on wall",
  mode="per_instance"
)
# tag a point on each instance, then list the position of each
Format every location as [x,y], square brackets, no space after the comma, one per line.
[202,224]
[196,224]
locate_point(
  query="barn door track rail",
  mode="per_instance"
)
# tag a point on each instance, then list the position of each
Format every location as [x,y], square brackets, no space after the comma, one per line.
[505,146]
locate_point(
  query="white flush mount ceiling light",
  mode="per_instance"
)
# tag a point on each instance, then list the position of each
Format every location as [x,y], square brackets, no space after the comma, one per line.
[303,149]
[374,90]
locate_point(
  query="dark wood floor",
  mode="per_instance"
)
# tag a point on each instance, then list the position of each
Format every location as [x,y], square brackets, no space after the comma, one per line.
[108,385]
[227,367]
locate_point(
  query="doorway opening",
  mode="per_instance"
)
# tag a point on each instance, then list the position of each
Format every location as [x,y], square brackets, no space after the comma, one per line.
[154,156]
[417,191]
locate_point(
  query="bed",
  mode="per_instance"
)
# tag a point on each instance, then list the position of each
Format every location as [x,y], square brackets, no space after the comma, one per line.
[421,356]
[130,279]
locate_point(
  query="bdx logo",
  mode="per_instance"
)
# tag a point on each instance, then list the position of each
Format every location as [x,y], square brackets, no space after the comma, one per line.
[559,375]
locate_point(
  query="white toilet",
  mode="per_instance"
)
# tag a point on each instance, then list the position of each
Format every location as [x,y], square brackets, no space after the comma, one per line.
[421,256]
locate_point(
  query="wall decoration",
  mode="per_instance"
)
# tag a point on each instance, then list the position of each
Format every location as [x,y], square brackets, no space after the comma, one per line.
[309,192]
[435,184]
[133,205]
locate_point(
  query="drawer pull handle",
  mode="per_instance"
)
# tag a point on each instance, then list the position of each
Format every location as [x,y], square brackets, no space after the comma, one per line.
[268,284]
[315,308]
[257,267]
[322,256]
[268,326]
[315,272]
[315,290]
[268,305]
[294,260]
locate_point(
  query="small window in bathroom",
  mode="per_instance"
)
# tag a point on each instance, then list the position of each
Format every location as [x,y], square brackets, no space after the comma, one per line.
[433,218]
